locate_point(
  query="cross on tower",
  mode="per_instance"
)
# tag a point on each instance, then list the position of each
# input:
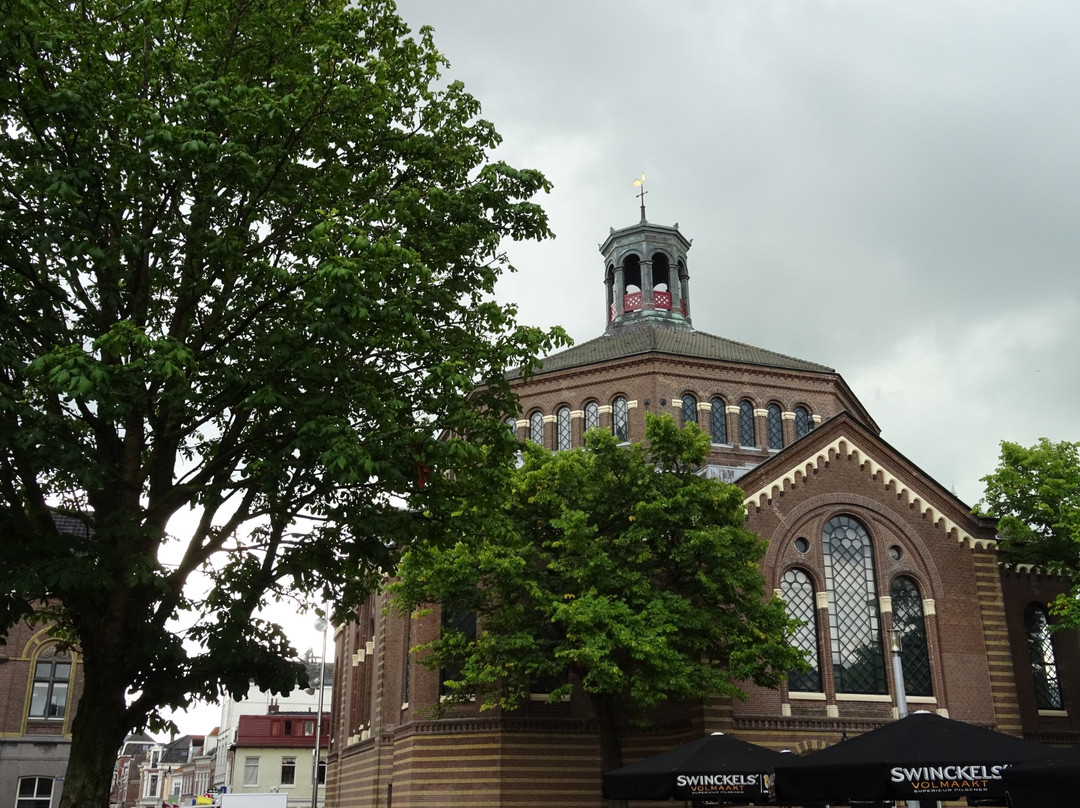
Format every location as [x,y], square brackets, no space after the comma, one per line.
[640,183]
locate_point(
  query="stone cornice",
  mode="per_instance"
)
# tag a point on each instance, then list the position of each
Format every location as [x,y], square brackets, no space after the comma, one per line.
[844,446]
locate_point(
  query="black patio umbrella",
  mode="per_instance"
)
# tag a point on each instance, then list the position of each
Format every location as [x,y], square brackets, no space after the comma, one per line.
[920,757]
[1050,780]
[712,770]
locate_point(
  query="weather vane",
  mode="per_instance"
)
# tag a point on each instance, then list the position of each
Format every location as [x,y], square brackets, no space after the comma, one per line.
[641,194]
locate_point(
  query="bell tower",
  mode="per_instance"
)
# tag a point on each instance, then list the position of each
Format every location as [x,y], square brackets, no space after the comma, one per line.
[646,277]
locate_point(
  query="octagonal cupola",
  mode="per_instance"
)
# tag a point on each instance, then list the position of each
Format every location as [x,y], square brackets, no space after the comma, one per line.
[646,276]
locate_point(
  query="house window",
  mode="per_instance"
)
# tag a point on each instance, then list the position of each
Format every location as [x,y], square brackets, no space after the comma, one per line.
[908,618]
[689,409]
[1041,655]
[52,672]
[620,419]
[288,771]
[562,434]
[34,792]
[803,422]
[151,786]
[797,590]
[251,771]
[321,776]
[592,416]
[747,436]
[536,428]
[775,427]
[718,421]
[854,624]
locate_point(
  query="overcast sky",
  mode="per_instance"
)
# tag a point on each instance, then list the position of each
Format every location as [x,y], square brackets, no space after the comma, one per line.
[888,188]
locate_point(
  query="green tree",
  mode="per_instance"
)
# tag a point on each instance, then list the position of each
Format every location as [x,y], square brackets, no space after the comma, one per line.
[1035,494]
[247,251]
[620,566]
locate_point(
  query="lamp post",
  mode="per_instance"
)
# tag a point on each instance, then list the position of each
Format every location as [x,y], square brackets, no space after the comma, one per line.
[320,625]
[896,647]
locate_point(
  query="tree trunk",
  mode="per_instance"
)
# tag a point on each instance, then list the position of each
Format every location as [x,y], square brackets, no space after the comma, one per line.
[610,747]
[98,731]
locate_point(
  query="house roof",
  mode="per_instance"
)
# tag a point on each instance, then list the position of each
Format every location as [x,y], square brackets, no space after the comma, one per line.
[648,338]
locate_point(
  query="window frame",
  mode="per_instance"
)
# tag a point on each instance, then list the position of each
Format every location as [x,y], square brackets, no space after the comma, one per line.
[747,424]
[620,419]
[35,800]
[718,431]
[251,767]
[564,432]
[47,707]
[689,409]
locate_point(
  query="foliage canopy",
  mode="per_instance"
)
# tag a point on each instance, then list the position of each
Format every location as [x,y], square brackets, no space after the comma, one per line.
[247,252]
[618,565]
[1035,493]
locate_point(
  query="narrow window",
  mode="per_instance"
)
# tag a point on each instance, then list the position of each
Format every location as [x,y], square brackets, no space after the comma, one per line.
[803,422]
[562,434]
[288,771]
[536,428]
[34,792]
[797,590]
[592,416]
[52,672]
[776,427]
[511,424]
[620,419]
[251,771]
[321,776]
[908,618]
[718,421]
[1043,661]
[747,437]
[464,624]
[689,409]
[854,623]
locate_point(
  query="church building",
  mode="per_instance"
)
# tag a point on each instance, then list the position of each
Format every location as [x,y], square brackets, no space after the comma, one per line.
[863,546]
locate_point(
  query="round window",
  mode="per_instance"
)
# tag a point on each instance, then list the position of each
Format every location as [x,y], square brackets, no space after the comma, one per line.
[802,545]
[895,553]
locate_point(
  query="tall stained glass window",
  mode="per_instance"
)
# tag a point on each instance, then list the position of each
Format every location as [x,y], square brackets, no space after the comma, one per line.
[747,436]
[620,419]
[858,659]
[908,617]
[1043,661]
[774,421]
[689,409]
[718,420]
[536,428]
[562,433]
[797,590]
[803,422]
[592,415]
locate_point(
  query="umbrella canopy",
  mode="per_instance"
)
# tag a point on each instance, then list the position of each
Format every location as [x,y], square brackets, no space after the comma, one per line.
[922,756]
[1050,780]
[712,770]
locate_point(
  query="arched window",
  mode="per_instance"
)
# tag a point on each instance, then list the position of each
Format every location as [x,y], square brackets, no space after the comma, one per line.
[511,424]
[747,437]
[803,422]
[462,623]
[52,673]
[797,590]
[854,623]
[592,416]
[562,434]
[1041,655]
[536,428]
[908,618]
[775,427]
[689,409]
[718,421]
[620,419]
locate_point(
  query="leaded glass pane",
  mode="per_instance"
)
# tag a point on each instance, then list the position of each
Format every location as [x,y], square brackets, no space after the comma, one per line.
[854,624]
[592,415]
[562,435]
[511,424]
[536,428]
[620,420]
[689,409]
[908,618]
[798,592]
[746,425]
[803,422]
[776,427]
[1043,661]
[718,421]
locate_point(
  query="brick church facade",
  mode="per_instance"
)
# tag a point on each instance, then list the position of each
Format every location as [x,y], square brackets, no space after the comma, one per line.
[862,545]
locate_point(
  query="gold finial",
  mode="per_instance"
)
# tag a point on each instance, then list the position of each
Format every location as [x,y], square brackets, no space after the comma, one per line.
[640,183]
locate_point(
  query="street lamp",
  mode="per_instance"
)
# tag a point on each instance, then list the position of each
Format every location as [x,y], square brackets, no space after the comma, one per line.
[896,646]
[320,625]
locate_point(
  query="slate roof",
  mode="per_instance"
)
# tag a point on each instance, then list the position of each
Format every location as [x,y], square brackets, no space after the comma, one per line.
[647,338]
